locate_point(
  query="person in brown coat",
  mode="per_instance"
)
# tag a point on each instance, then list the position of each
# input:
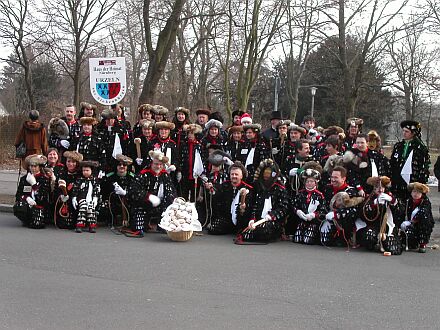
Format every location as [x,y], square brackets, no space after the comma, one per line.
[33,133]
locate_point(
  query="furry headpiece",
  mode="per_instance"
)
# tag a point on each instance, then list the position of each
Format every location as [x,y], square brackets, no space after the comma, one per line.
[283,122]
[332,162]
[145,123]
[334,130]
[216,157]
[145,107]
[73,155]
[87,121]
[355,121]
[160,110]
[412,125]
[295,127]
[311,169]
[193,128]
[420,187]
[57,126]
[213,123]
[186,111]
[374,140]
[88,163]
[158,155]
[35,160]
[344,200]
[164,124]
[124,159]
[254,127]
[206,112]
[86,105]
[267,163]
[375,180]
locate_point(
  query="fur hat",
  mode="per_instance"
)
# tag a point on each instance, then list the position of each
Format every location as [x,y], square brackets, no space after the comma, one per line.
[374,140]
[88,163]
[311,169]
[160,110]
[108,114]
[254,127]
[193,128]
[206,112]
[213,122]
[238,164]
[87,121]
[214,146]
[374,181]
[145,123]
[267,163]
[216,157]
[74,155]
[84,105]
[344,200]
[420,187]
[186,111]
[57,126]
[245,119]
[332,162]
[355,121]
[334,130]
[412,125]
[35,160]
[145,107]
[159,156]
[164,124]
[350,158]
[295,127]
[284,122]
[235,128]
[34,115]
[124,159]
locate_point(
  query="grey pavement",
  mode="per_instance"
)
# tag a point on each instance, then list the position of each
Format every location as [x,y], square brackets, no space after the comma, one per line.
[57,279]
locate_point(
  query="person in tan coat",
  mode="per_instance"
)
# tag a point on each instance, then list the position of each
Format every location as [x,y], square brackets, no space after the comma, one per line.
[33,133]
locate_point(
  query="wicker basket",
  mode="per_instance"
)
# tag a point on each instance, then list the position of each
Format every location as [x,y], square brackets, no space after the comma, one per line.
[180,236]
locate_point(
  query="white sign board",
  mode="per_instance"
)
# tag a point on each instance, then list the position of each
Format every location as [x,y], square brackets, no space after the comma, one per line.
[107,79]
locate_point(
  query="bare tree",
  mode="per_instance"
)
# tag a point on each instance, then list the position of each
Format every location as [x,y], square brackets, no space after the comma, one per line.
[74,23]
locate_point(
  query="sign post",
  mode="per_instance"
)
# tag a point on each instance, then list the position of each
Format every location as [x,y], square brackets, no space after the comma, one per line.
[108,83]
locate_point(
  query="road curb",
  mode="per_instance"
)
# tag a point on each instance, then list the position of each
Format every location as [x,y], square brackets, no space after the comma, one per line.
[6,208]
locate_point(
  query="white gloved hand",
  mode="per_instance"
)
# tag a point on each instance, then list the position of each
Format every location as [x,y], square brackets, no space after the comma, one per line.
[65,144]
[179,176]
[301,214]
[268,217]
[384,198]
[119,190]
[139,161]
[312,132]
[330,216]
[293,171]
[310,216]
[31,179]
[251,224]
[361,193]
[154,200]
[31,201]
[101,174]
[171,168]
[275,151]
[228,161]
[74,203]
[95,202]
[405,225]
[326,226]
[64,198]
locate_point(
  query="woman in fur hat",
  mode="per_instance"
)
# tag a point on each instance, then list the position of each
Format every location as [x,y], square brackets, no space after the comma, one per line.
[270,205]
[419,221]
[65,213]
[309,206]
[32,196]
[190,163]
[160,113]
[87,110]
[58,132]
[86,193]
[234,143]
[253,149]
[140,154]
[376,227]
[165,144]
[409,160]
[212,137]
[145,112]
[89,144]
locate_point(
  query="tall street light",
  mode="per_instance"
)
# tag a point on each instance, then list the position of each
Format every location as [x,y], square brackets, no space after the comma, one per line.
[313,91]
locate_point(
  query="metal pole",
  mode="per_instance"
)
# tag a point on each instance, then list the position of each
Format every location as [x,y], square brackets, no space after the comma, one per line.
[313,91]
[277,87]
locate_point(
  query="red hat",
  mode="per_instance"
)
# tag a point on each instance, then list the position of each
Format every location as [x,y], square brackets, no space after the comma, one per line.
[246,119]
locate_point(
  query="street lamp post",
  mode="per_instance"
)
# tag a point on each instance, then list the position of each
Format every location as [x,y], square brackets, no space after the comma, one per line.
[313,91]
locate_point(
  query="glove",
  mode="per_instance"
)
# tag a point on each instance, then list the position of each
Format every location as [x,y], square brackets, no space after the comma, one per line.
[171,168]
[330,216]
[268,217]
[74,203]
[179,176]
[312,132]
[251,224]
[383,198]
[119,190]
[31,201]
[154,200]
[139,161]
[64,198]
[293,172]
[405,225]
[228,161]
[301,214]
[101,174]
[275,151]
[95,202]
[31,179]
[310,216]
[65,144]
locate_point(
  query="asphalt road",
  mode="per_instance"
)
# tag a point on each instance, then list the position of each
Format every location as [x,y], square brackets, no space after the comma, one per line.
[54,279]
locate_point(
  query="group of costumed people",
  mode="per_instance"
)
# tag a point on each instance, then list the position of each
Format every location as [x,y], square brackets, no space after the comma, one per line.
[330,186]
